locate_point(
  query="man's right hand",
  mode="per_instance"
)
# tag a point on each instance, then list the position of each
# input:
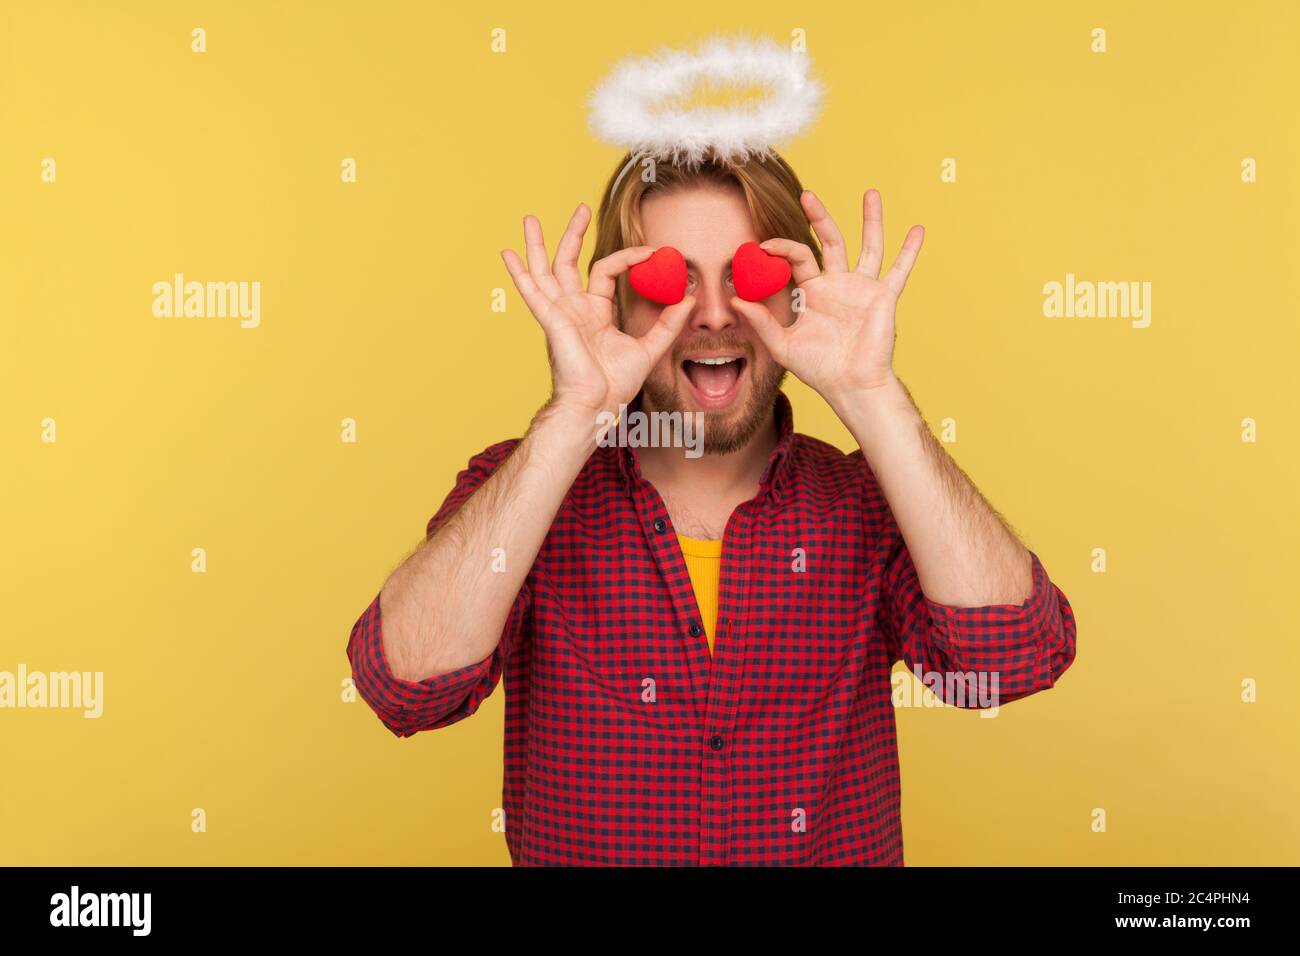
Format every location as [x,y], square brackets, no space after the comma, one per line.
[595,367]
[447,605]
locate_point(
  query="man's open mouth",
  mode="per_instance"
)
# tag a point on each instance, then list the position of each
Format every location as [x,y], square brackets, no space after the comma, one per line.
[714,379]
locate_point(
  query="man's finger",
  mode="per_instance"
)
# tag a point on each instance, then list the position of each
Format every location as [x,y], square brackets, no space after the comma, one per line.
[828,234]
[604,272]
[772,333]
[664,332]
[565,267]
[897,275]
[538,266]
[803,264]
[538,303]
[873,234]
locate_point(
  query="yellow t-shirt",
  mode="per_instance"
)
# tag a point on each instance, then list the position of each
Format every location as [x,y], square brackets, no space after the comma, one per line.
[703,563]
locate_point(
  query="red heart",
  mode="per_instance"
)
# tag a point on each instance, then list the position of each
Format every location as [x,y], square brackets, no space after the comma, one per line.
[662,277]
[757,274]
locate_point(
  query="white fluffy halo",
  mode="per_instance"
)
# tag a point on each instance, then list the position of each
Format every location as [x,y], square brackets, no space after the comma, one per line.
[623,114]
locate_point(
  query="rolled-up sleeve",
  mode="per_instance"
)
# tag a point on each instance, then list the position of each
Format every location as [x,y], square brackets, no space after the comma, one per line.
[977,656]
[407,707]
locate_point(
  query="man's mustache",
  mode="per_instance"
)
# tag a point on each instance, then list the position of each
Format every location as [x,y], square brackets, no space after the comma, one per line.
[714,343]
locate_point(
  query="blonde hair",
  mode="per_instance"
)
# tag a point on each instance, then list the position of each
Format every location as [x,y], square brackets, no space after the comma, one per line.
[770,188]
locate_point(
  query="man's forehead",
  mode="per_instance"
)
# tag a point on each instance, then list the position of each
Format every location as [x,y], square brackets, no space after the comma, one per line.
[705,225]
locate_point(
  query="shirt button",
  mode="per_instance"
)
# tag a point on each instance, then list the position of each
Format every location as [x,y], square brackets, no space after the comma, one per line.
[661,525]
[696,630]
[715,742]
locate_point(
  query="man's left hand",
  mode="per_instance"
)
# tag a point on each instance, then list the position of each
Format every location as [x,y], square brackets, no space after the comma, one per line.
[842,340]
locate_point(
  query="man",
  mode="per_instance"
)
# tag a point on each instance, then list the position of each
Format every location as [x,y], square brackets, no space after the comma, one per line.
[697,650]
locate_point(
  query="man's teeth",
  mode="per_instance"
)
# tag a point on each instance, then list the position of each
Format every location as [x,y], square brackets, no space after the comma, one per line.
[715,361]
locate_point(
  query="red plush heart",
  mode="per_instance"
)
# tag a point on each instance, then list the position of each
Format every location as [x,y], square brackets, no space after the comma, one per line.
[758,274]
[662,277]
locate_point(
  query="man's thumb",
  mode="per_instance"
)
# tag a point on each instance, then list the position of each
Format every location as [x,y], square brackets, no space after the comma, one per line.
[769,330]
[669,325]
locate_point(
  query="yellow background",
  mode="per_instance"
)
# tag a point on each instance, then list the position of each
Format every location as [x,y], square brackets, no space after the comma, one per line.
[223,690]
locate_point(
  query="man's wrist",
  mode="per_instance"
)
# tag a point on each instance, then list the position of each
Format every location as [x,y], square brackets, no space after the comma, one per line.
[564,430]
[877,416]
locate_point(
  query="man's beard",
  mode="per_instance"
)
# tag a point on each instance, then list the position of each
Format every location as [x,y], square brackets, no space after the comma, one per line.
[725,430]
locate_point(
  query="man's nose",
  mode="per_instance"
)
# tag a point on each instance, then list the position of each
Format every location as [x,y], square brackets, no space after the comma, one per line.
[713,311]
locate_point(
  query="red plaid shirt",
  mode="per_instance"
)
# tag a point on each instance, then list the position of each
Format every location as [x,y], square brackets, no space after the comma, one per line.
[626,743]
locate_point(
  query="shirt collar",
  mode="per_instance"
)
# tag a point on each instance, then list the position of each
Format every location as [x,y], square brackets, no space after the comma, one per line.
[776,475]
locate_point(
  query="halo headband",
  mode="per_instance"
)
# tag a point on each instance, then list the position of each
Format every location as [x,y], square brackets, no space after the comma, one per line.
[623,105]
